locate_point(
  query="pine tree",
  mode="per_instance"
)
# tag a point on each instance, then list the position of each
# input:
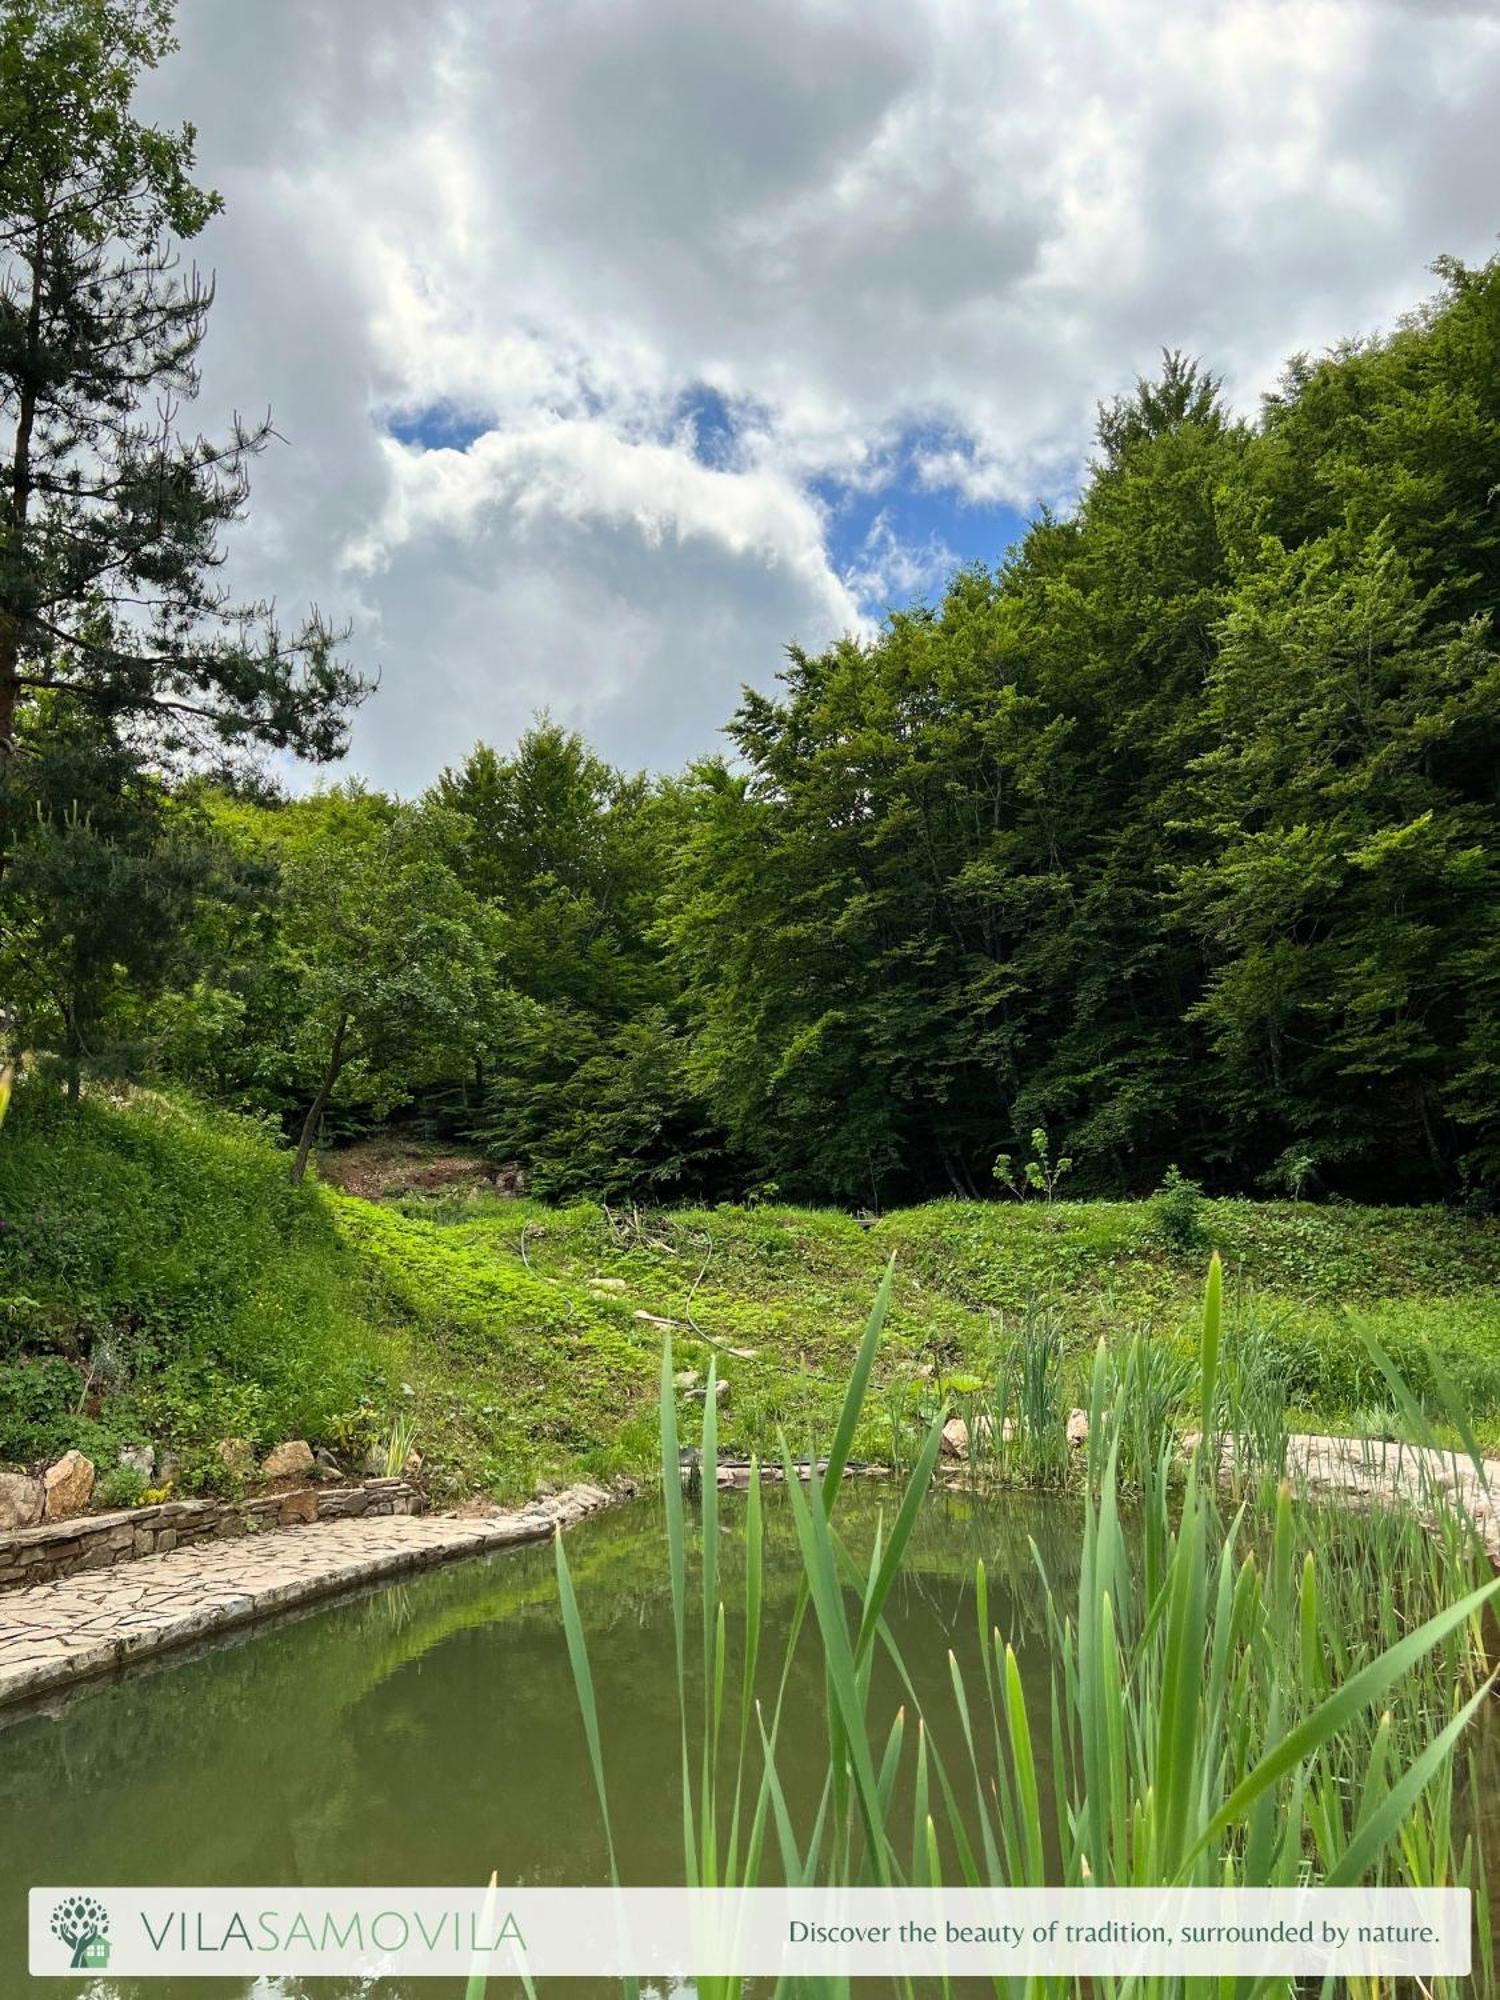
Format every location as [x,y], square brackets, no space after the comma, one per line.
[110,513]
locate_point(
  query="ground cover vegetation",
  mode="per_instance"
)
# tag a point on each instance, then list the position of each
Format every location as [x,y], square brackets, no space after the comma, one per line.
[162,1281]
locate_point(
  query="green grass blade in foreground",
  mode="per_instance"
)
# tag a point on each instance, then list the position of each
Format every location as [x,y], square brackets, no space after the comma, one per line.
[1360,1692]
[820,1564]
[583,1683]
[1208,1353]
[478,1982]
[854,1396]
[1385,1821]
[895,1550]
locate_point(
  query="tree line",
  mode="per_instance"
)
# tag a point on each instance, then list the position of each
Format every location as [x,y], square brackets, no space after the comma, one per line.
[1170,836]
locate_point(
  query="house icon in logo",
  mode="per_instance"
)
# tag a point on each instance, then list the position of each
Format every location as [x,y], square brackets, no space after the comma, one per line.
[81,1923]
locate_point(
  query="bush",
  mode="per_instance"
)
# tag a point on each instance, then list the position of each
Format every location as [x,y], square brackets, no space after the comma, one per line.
[1176,1212]
[121,1486]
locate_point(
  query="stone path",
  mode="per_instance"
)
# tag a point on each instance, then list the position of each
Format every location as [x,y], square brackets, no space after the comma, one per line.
[1371,1469]
[97,1620]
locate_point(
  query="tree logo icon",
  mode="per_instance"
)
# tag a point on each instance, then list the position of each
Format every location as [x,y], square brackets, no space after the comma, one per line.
[82,1922]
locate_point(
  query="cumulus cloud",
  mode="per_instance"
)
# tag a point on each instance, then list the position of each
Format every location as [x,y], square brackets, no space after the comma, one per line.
[579,315]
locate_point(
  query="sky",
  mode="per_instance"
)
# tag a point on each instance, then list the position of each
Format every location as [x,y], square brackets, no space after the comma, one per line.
[617,344]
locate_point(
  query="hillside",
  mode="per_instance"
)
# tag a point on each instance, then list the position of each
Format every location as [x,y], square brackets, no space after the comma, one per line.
[159,1280]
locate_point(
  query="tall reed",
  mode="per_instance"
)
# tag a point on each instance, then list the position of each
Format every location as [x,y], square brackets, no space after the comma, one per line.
[1260,1697]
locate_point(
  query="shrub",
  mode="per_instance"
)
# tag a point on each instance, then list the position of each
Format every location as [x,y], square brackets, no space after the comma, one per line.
[1176,1212]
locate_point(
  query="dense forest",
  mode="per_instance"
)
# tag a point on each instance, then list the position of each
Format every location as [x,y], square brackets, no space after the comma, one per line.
[1167,842]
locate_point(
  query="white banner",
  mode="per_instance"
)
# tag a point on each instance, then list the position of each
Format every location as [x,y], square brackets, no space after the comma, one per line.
[667,1933]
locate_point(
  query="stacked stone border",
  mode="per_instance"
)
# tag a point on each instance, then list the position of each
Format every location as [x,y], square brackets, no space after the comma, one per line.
[99,1541]
[79,1627]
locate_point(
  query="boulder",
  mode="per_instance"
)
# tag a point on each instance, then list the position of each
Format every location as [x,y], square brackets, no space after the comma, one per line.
[140,1458]
[21,1501]
[298,1509]
[956,1434]
[328,1466]
[69,1484]
[292,1460]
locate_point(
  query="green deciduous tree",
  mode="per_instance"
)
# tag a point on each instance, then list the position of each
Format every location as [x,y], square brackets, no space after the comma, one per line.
[380,970]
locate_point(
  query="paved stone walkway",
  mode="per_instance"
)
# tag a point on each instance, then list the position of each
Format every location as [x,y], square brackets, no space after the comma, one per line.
[1370,1469]
[97,1620]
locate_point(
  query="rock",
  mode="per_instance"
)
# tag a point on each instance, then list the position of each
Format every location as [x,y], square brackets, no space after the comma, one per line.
[721,1391]
[69,1484]
[413,1464]
[955,1438]
[956,1434]
[298,1508]
[21,1501]
[1078,1427]
[607,1284]
[237,1456]
[327,1465]
[140,1458]
[686,1378]
[168,1466]
[292,1460]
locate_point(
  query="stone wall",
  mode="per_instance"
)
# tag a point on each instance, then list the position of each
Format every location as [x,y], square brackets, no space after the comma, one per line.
[98,1541]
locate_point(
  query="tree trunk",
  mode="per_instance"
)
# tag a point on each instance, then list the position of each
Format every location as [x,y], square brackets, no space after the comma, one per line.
[20,507]
[320,1103]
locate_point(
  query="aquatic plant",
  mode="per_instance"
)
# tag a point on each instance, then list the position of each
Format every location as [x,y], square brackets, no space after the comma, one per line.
[1257,1697]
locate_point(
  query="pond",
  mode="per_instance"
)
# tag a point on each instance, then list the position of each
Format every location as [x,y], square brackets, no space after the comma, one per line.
[428,1733]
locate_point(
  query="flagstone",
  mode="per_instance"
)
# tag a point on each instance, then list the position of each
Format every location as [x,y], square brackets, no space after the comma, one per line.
[92,1622]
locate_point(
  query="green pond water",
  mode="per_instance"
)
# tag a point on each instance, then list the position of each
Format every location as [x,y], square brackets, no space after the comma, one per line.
[428,1733]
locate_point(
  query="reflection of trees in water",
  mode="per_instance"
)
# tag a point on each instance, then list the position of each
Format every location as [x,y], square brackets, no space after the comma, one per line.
[429,1731]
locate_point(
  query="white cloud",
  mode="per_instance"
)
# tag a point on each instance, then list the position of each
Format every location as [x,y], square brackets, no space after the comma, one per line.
[855,221]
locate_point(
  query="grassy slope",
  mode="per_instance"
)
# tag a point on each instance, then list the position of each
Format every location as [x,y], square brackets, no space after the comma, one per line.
[789,1289]
[159,1279]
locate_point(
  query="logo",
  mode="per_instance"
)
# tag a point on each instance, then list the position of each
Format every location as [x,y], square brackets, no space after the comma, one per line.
[82,1922]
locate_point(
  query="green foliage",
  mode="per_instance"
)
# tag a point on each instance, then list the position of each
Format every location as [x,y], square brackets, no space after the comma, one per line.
[584,1076]
[1214,1719]
[1041,1173]
[159,1278]
[1177,1211]
[110,518]
[120,1486]
[1177,832]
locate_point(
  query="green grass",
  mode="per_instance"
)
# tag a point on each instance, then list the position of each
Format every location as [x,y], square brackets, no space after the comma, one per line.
[159,1279]
[773,1296]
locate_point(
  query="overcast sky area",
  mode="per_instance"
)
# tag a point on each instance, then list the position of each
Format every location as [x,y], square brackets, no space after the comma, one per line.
[619,343]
